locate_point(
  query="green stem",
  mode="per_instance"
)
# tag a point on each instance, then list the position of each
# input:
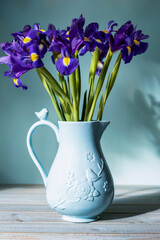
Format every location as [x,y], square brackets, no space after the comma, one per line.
[54,85]
[63,83]
[110,83]
[78,84]
[93,67]
[73,92]
[84,106]
[112,78]
[88,107]
[66,108]
[100,83]
[52,96]
[100,110]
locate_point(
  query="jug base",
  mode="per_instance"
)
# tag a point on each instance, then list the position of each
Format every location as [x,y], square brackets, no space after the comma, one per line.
[79,219]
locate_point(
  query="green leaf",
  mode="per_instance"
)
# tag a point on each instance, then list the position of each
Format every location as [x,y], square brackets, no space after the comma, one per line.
[112,77]
[100,83]
[93,67]
[84,105]
[54,84]
[52,95]
[63,83]
[75,110]
[100,110]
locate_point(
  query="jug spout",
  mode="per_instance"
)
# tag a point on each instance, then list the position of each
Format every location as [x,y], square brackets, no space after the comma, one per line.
[102,125]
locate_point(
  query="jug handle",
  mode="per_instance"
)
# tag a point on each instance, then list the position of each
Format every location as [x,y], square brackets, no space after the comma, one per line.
[41,122]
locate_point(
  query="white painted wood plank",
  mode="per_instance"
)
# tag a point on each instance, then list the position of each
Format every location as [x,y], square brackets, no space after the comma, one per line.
[24,188]
[74,228]
[114,208]
[54,236]
[52,216]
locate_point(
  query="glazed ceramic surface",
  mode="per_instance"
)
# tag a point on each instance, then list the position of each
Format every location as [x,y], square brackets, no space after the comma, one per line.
[79,184]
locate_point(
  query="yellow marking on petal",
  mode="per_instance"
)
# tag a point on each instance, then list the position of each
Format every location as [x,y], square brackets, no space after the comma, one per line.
[87,39]
[41,46]
[98,40]
[67,32]
[129,50]
[136,42]
[42,30]
[105,31]
[15,81]
[66,61]
[26,39]
[67,38]
[34,57]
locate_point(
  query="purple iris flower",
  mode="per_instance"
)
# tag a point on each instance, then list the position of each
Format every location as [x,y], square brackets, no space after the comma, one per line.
[119,40]
[76,35]
[94,38]
[66,43]
[134,45]
[31,36]
[51,32]
[129,41]
[89,43]
[23,54]
[66,65]
[101,40]
[139,46]
[19,36]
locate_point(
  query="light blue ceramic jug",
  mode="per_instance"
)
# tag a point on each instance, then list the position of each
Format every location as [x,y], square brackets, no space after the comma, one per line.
[79,184]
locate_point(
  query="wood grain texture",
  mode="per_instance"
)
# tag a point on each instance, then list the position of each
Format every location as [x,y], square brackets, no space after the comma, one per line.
[25,214]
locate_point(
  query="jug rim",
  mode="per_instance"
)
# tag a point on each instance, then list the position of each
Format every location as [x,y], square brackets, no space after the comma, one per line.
[88,122]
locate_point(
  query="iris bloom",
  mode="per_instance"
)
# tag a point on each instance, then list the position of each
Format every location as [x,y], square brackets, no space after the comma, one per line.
[31,44]
[129,41]
[24,53]
[118,41]
[99,39]
[67,44]
[134,46]
[89,43]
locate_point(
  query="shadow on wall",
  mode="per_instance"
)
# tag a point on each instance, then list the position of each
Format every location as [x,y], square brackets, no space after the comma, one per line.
[132,143]
[146,109]
[135,112]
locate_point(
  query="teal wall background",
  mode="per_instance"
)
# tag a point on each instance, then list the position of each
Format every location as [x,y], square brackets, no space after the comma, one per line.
[131,143]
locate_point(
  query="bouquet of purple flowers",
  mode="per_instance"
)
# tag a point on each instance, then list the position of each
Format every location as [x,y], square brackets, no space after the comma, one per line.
[29,47]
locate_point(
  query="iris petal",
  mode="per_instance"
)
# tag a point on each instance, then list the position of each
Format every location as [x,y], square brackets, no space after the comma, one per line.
[67,66]
[36,60]
[5,60]
[141,48]
[17,83]
[127,54]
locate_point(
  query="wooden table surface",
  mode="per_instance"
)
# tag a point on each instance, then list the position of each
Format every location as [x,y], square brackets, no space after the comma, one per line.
[134,214]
